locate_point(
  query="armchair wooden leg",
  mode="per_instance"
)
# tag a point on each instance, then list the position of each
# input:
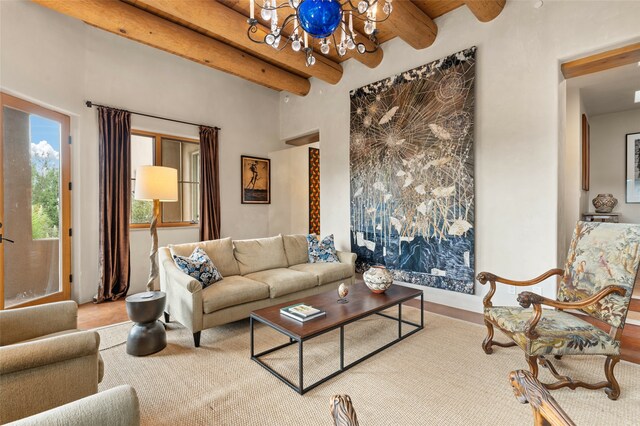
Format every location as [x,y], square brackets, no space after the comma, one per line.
[533,365]
[166,317]
[488,341]
[196,339]
[613,388]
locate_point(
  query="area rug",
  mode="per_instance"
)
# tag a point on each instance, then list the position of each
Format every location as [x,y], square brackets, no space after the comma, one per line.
[438,376]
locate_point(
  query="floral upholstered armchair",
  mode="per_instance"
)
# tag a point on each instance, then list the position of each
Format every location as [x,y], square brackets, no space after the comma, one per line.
[600,274]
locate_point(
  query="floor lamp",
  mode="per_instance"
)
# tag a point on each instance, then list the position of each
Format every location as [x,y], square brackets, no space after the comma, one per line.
[155,183]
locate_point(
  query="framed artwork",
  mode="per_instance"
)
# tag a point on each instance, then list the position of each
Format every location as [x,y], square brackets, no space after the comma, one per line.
[255,179]
[412,174]
[633,168]
[586,147]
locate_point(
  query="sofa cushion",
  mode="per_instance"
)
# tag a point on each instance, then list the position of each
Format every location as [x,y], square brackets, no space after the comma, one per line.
[231,291]
[284,281]
[219,251]
[326,272]
[260,254]
[199,266]
[296,248]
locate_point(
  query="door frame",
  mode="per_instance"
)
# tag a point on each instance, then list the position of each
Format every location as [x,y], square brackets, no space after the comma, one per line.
[65,196]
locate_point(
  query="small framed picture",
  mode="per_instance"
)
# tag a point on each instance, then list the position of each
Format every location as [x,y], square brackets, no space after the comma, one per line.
[633,168]
[256,180]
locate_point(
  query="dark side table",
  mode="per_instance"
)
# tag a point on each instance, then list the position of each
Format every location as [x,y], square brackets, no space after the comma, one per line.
[147,336]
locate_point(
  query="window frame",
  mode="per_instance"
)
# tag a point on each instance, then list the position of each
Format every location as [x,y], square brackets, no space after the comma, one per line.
[157,160]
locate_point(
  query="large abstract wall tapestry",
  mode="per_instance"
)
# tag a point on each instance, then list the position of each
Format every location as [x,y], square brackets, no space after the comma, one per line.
[314,191]
[412,184]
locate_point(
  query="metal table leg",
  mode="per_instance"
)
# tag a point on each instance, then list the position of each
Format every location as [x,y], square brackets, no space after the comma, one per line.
[301,368]
[341,348]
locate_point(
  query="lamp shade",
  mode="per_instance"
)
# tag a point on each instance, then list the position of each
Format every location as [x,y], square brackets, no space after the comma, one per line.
[156,183]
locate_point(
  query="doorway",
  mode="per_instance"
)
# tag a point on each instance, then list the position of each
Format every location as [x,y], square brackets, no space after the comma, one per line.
[35,204]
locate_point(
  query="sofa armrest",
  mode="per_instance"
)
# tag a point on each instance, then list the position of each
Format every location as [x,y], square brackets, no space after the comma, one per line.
[117,406]
[184,294]
[174,275]
[22,324]
[38,353]
[348,258]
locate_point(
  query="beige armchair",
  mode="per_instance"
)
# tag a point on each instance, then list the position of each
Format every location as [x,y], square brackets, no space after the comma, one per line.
[114,407]
[45,361]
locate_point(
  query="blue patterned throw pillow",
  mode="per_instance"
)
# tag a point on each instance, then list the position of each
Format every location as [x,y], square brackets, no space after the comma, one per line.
[199,266]
[322,251]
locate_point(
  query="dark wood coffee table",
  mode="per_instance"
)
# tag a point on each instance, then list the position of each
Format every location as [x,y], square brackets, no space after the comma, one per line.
[362,303]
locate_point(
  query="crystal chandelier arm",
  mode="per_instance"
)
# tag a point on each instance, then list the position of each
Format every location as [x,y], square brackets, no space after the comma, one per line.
[365,19]
[253,29]
[281,6]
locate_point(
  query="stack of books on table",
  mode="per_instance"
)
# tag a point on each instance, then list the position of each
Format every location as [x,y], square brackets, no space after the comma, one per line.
[301,312]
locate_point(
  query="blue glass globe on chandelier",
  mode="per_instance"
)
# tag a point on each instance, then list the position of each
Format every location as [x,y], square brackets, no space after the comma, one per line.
[320,18]
[326,21]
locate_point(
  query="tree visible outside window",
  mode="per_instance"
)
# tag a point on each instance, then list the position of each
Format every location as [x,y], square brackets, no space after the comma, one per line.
[45,178]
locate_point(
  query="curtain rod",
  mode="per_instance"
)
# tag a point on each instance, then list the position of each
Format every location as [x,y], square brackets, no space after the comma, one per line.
[91,104]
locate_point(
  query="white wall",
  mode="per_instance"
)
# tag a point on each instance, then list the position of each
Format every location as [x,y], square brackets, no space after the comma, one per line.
[517,127]
[60,62]
[608,174]
[572,200]
[289,209]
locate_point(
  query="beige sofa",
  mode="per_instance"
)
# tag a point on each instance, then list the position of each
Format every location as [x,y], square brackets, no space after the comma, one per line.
[257,273]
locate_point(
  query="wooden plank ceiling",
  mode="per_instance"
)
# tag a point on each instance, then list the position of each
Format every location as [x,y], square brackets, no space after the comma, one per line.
[214,33]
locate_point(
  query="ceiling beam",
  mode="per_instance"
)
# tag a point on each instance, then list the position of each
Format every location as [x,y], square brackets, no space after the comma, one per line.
[411,24]
[227,25]
[130,22]
[437,8]
[485,10]
[371,60]
[602,61]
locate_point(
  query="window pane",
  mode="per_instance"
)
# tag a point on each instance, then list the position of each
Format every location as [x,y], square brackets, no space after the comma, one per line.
[185,157]
[141,155]
[190,162]
[45,177]
[171,154]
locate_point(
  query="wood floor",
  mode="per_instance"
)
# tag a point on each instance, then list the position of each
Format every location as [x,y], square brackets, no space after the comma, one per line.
[91,315]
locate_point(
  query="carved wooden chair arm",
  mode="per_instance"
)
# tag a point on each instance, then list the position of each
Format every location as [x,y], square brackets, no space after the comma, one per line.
[492,279]
[342,411]
[528,389]
[527,298]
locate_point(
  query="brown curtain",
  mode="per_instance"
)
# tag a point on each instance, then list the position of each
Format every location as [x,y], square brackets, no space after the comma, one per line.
[209,184]
[115,203]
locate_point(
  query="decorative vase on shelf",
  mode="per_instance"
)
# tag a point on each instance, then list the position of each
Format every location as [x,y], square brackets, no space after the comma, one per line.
[378,279]
[604,203]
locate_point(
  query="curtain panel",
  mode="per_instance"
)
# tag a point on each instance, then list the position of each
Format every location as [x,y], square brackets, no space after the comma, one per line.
[209,184]
[115,203]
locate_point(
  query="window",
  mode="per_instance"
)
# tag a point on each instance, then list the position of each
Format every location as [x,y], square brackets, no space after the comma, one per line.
[179,153]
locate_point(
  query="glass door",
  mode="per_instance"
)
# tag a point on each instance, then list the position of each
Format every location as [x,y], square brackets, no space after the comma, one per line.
[35,204]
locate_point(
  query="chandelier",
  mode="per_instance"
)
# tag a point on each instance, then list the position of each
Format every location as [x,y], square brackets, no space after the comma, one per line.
[326,21]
